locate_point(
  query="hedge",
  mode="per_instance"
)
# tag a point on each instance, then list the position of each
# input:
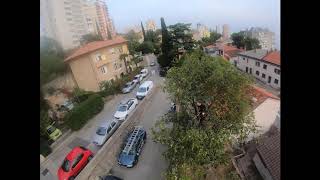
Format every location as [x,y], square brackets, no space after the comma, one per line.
[84,111]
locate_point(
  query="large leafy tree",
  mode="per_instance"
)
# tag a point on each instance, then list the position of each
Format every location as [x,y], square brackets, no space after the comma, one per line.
[146,47]
[213,110]
[181,37]
[242,41]
[153,37]
[210,40]
[85,39]
[167,55]
[124,58]
[133,41]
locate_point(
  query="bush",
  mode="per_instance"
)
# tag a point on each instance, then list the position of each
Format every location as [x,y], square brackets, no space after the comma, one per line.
[79,95]
[84,111]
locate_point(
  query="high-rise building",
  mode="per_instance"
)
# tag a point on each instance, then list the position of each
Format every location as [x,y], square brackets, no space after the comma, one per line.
[225,32]
[150,25]
[201,32]
[68,20]
[266,38]
[218,29]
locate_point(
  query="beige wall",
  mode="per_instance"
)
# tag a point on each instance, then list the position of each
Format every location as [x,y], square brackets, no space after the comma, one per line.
[84,74]
[87,70]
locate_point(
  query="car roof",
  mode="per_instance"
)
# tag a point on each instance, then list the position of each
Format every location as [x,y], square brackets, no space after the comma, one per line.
[146,83]
[105,124]
[74,153]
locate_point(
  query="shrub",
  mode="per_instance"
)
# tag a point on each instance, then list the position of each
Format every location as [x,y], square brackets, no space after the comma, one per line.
[79,95]
[84,111]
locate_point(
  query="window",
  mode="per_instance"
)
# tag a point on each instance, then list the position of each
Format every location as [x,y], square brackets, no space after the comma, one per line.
[257,73]
[263,75]
[277,71]
[77,160]
[246,69]
[269,79]
[244,58]
[264,66]
[258,64]
[109,129]
[250,70]
[98,57]
[113,124]
[276,81]
[120,49]
[104,69]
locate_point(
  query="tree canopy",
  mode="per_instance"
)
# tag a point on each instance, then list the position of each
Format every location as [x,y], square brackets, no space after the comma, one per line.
[213,110]
[85,39]
[210,40]
[146,47]
[167,55]
[242,41]
[133,41]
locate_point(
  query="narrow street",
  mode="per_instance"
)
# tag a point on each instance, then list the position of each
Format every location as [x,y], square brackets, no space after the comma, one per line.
[151,162]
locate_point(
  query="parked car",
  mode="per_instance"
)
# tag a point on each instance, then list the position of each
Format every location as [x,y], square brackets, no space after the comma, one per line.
[53,132]
[144,72]
[110,177]
[144,89]
[68,105]
[152,63]
[74,162]
[105,131]
[137,78]
[163,71]
[125,108]
[129,87]
[133,145]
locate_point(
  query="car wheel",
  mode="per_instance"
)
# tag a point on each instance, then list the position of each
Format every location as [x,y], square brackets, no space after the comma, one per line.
[71,178]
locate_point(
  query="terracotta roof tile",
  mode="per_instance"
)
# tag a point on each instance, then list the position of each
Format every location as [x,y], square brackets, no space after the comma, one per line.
[269,151]
[260,95]
[273,57]
[92,46]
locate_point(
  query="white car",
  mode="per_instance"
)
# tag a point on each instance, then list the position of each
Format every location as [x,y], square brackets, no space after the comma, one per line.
[137,78]
[105,131]
[125,108]
[144,72]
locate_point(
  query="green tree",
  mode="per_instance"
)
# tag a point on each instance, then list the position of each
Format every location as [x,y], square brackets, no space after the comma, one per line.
[167,55]
[146,47]
[87,38]
[181,37]
[51,66]
[242,41]
[50,46]
[143,32]
[124,58]
[133,41]
[153,36]
[44,119]
[213,109]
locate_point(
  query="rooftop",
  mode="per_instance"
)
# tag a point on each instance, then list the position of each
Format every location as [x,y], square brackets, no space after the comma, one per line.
[93,46]
[265,55]
[260,95]
[269,151]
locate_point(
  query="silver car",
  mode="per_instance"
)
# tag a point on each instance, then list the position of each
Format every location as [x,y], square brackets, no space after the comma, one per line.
[129,87]
[105,131]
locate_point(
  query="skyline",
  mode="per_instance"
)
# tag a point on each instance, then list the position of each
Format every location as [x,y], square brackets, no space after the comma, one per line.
[261,13]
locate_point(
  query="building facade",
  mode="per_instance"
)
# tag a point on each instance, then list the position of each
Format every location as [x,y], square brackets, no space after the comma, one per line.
[225,31]
[266,38]
[67,21]
[151,25]
[262,64]
[97,62]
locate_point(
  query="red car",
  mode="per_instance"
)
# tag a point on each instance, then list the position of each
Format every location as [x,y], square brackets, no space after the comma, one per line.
[75,161]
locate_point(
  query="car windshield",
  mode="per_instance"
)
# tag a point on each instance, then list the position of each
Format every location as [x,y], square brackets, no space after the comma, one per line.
[136,77]
[127,85]
[51,130]
[66,165]
[142,89]
[101,131]
[122,108]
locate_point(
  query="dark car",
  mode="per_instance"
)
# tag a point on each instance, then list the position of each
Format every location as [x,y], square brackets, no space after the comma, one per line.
[128,157]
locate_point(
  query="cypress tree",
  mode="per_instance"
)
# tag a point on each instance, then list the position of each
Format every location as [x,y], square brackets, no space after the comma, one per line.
[166,46]
[144,33]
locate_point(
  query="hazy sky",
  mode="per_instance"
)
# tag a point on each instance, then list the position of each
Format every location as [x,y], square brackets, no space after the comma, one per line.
[239,14]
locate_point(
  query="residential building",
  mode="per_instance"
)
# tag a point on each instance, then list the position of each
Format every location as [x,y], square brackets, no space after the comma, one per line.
[63,21]
[151,25]
[262,64]
[202,31]
[218,29]
[266,38]
[226,31]
[67,21]
[98,61]
[228,52]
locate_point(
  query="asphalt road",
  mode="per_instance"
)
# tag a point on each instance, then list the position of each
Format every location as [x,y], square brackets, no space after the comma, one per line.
[150,163]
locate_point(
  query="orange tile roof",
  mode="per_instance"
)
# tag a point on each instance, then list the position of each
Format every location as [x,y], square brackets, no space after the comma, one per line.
[260,94]
[273,57]
[92,46]
[210,46]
